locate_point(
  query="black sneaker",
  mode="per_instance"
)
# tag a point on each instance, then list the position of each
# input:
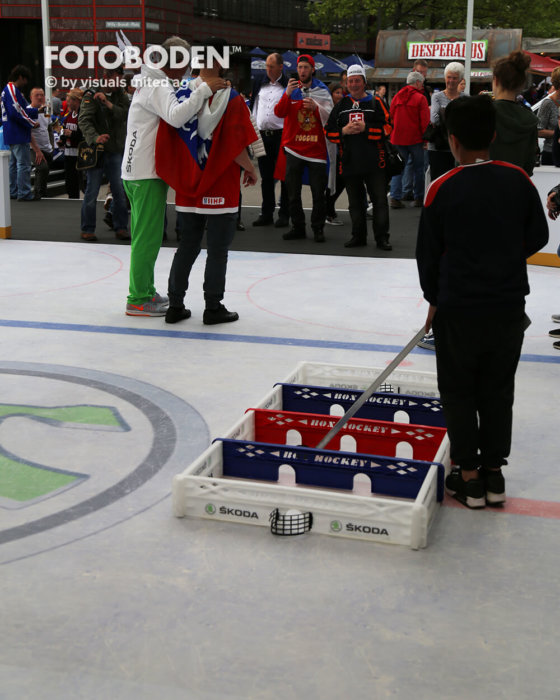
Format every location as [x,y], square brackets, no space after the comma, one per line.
[495,487]
[470,493]
[319,237]
[554,333]
[293,235]
[176,313]
[108,220]
[219,315]
[556,345]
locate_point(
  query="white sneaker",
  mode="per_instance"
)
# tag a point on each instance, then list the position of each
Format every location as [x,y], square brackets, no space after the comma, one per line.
[428,342]
[333,221]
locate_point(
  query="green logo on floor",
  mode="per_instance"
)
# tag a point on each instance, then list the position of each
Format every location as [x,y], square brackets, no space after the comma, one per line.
[22,481]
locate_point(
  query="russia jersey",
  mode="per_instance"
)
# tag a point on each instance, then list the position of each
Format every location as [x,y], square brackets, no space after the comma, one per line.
[197,160]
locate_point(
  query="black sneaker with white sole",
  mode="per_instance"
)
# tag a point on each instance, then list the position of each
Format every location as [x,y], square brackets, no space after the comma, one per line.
[554,333]
[470,493]
[555,318]
[495,487]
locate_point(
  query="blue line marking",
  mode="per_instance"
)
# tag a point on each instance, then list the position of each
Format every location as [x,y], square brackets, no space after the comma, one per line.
[231,338]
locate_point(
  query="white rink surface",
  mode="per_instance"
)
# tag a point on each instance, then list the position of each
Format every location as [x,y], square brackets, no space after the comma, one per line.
[125,601]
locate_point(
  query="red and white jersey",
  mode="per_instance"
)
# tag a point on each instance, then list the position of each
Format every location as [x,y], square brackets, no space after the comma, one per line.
[197,160]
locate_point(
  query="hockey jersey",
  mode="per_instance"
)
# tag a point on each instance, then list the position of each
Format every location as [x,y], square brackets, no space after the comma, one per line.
[364,152]
[18,118]
[303,135]
[197,160]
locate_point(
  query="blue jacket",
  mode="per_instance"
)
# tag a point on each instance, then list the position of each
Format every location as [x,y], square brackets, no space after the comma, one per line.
[18,118]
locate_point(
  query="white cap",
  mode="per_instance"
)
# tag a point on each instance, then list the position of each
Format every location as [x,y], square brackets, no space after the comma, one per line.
[356,69]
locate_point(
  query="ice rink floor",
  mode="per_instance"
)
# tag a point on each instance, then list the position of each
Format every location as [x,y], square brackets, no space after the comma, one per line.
[104,594]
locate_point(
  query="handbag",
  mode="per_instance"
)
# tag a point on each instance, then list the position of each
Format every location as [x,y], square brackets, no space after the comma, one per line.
[394,162]
[89,156]
[436,134]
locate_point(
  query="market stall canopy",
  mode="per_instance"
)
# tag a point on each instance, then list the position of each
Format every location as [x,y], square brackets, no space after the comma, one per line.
[258,65]
[290,61]
[396,51]
[324,64]
[539,45]
[354,59]
[542,65]
[257,51]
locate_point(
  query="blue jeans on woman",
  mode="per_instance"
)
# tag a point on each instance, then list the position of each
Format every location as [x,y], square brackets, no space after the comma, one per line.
[111,166]
[416,152]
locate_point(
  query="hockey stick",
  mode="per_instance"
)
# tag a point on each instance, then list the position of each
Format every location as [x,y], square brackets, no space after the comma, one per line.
[373,386]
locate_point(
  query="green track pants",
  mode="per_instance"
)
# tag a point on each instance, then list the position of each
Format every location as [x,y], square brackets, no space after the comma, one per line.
[147,214]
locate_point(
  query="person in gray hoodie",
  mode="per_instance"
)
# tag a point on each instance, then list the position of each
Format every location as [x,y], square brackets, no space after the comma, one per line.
[516,125]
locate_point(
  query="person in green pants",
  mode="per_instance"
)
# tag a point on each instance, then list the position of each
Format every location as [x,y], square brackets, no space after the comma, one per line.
[154,99]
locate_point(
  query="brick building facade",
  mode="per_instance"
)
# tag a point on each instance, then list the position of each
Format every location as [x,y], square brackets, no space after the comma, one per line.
[270,24]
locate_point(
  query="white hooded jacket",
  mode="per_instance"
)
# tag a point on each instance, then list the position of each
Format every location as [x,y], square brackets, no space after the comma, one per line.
[153,100]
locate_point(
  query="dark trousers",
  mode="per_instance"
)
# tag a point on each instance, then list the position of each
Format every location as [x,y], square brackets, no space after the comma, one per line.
[318,183]
[267,164]
[42,175]
[72,177]
[333,196]
[376,186]
[440,163]
[220,230]
[477,358]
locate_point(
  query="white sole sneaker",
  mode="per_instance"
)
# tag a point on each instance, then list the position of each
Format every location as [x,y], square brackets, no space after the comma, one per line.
[148,309]
[555,318]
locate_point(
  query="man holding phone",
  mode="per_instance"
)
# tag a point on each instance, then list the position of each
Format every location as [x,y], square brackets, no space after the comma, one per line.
[305,107]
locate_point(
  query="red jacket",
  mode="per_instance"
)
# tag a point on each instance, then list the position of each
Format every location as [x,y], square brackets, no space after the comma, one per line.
[410,115]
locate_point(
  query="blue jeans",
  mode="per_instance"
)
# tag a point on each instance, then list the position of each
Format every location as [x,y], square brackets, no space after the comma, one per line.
[416,152]
[112,168]
[20,171]
[407,177]
[219,235]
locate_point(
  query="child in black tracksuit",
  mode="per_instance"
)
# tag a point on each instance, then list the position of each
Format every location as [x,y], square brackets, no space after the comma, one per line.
[480,222]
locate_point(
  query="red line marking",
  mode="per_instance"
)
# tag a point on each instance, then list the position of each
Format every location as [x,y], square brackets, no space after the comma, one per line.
[251,288]
[90,250]
[519,506]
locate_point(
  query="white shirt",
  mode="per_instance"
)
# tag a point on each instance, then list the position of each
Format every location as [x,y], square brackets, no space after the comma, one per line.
[263,109]
[41,134]
[154,99]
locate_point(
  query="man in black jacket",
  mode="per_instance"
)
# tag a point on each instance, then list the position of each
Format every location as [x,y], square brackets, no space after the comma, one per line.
[266,93]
